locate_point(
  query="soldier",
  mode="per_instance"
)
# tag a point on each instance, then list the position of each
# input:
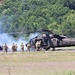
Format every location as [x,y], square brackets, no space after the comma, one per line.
[5,47]
[28,47]
[38,45]
[13,47]
[22,47]
[16,47]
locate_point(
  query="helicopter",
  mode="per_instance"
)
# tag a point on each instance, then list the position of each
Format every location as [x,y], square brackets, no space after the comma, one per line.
[51,40]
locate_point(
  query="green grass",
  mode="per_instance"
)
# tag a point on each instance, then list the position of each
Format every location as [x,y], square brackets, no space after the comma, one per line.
[37,57]
[17,61]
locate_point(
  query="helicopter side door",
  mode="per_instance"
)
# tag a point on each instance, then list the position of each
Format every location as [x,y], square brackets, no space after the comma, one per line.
[55,42]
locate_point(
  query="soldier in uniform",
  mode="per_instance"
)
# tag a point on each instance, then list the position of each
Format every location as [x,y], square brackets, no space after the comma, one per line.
[22,47]
[38,45]
[28,47]
[16,47]
[13,47]
[5,48]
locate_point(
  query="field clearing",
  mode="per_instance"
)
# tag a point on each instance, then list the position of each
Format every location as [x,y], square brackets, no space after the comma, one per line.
[38,63]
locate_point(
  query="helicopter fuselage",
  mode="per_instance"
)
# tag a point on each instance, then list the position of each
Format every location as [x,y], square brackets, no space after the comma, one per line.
[52,41]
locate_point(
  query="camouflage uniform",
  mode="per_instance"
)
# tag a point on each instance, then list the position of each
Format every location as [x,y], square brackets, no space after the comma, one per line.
[16,47]
[5,48]
[13,47]
[22,47]
[38,44]
[28,47]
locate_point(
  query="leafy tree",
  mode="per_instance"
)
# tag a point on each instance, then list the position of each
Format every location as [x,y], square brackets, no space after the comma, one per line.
[31,15]
[69,24]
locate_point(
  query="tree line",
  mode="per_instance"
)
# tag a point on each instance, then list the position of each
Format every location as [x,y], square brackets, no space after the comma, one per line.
[31,15]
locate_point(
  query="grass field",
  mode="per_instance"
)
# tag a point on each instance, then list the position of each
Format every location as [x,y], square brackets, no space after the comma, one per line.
[38,63]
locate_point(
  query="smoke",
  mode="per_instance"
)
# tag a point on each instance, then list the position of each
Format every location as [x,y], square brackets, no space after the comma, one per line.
[0,28]
[9,40]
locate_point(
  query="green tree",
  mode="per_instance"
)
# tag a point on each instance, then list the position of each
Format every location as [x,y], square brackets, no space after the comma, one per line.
[31,15]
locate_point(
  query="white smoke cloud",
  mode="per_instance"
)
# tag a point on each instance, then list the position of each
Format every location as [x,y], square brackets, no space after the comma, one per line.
[32,35]
[9,40]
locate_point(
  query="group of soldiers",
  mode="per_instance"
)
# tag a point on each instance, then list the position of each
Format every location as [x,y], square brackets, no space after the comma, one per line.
[14,47]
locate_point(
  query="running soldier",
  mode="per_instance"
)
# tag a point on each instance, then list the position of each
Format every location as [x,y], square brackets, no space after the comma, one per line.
[5,48]
[28,47]
[16,47]
[22,47]
[38,45]
[13,47]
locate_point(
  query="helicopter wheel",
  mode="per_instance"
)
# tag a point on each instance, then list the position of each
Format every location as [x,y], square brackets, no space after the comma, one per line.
[46,49]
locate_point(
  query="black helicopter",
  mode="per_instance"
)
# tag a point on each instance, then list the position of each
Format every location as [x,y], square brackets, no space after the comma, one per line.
[51,40]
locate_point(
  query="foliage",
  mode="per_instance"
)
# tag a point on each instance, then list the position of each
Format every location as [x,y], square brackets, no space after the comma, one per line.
[31,15]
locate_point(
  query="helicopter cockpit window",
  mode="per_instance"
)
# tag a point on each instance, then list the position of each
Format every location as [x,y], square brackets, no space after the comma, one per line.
[32,42]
